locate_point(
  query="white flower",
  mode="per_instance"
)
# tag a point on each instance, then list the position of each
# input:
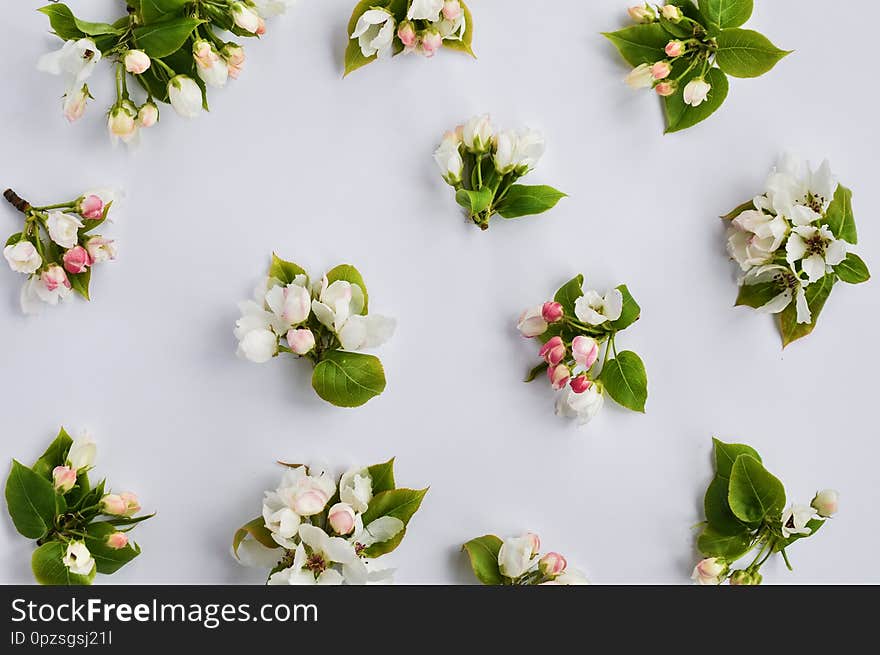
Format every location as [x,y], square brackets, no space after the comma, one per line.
[292,304]
[518,151]
[244,17]
[477,132]
[377,532]
[82,452]
[640,77]
[356,489]
[185,96]
[303,571]
[425,10]
[375,32]
[571,577]
[299,494]
[23,257]
[754,236]
[448,158]
[258,329]
[696,92]
[258,346]
[76,60]
[516,556]
[531,322]
[63,228]
[78,559]
[799,193]
[136,62]
[593,309]
[816,249]
[270,8]
[75,102]
[582,406]
[825,503]
[790,288]
[122,122]
[210,67]
[709,571]
[326,550]
[339,306]
[795,519]
[254,554]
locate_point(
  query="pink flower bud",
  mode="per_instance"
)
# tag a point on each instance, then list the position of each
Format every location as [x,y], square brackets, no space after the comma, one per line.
[113,504]
[665,89]
[671,12]
[63,477]
[552,564]
[552,312]
[117,540]
[710,571]
[204,54]
[451,9]
[54,277]
[553,351]
[585,351]
[76,260]
[535,541]
[148,114]
[234,56]
[559,376]
[407,34]
[431,42]
[301,341]
[90,207]
[581,383]
[136,61]
[825,503]
[132,506]
[661,70]
[675,49]
[309,502]
[341,517]
[261,27]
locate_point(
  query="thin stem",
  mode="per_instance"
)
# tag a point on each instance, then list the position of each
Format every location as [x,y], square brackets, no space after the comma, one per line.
[60,205]
[785,557]
[120,81]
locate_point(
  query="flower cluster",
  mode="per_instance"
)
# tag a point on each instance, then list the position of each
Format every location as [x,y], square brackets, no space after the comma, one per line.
[573,328]
[483,165]
[380,29]
[60,262]
[792,244]
[324,321]
[172,48]
[685,54]
[84,527]
[517,561]
[317,530]
[745,512]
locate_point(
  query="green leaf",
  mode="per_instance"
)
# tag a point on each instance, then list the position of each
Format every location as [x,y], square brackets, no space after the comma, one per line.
[817,294]
[640,44]
[166,37]
[466,42]
[483,555]
[400,503]
[156,10]
[347,379]
[631,310]
[80,282]
[55,455]
[31,501]
[568,294]
[540,369]
[284,271]
[757,295]
[48,566]
[726,454]
[382,476]
[626,381]
[718,513]
[348,273]
[746,206]
[853,270]
[67,26]
[680,116]
[354,58]
[475,201]
[727,13]
[728,547]
[522,200]
[108,560]
[754,493]
[746,53]
[257,529]
[840,217]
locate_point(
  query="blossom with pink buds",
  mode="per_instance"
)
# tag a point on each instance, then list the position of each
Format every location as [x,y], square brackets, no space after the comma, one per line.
[113,504]
[552,312]
[675,49]
[644,14]
[661,70]
[148,114]
[212,70]
[665,89]
[117,540]
[75,103]
[710,571]
[559,376]
[136,61]
[90,207]
[342,518]
[63,478]
[54,278]
[581,383]
[101,250]
[552,564]
[585,351]
[244,17]
[671,12]
[407,34]
[430,41]
[301,340]
[310,502]
[451,9]
[531,322]
[825,503]
[234,56]
[76,260]
[553,351]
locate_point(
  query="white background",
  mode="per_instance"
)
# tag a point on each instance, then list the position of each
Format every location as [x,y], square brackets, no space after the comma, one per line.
[293,158]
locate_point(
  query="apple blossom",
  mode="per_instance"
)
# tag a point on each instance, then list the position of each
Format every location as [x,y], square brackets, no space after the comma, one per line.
[696,92]
[665,89]
[54,278]
[78,559]
[81,455]
[327,550]
[816,248]
[301,340]
[117,540]
[23,257]
[210,67]
[593,309]
[580,383]
[113,505]
[553,352]
[235,57]
[661,70]
[136,62]
[375,32]
[643,14]
[552,564]
[76,260]
[552,312]
[477,133]
[101,250]
[754,236]
[90,207]
[341,517]
[671,12]
[531,322]
[75,103]
[448,158]
[640,77]
[583,406]
[559,376]
[585,351]
[122,122]
[789,286]
[148,115]
[675,49]
[258,346]
[293,303]
[76,60]
[309,502]
[63,479]
[356,489]
[185,96]
[710,571]
[430,41]
[825,503]
[517,556]
[425,10]
[795,520]
[452,9]
[406,32]
[63,228]
[244,17]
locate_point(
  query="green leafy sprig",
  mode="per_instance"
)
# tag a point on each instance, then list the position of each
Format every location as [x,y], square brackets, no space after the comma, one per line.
[745,513]
[686,50]
[80,529]
[517,562]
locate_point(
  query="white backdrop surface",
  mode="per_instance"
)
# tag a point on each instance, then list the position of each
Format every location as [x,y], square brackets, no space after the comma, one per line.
[325,171]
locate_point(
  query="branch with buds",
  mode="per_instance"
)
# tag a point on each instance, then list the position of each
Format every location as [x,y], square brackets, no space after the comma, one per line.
[319,529]
[56,248]
[79,530]
[573,328]
[518,562]
[381,29]
[173,49]
[685,53]
[745,513]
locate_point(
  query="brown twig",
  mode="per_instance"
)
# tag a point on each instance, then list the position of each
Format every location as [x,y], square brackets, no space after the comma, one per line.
[16,201]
